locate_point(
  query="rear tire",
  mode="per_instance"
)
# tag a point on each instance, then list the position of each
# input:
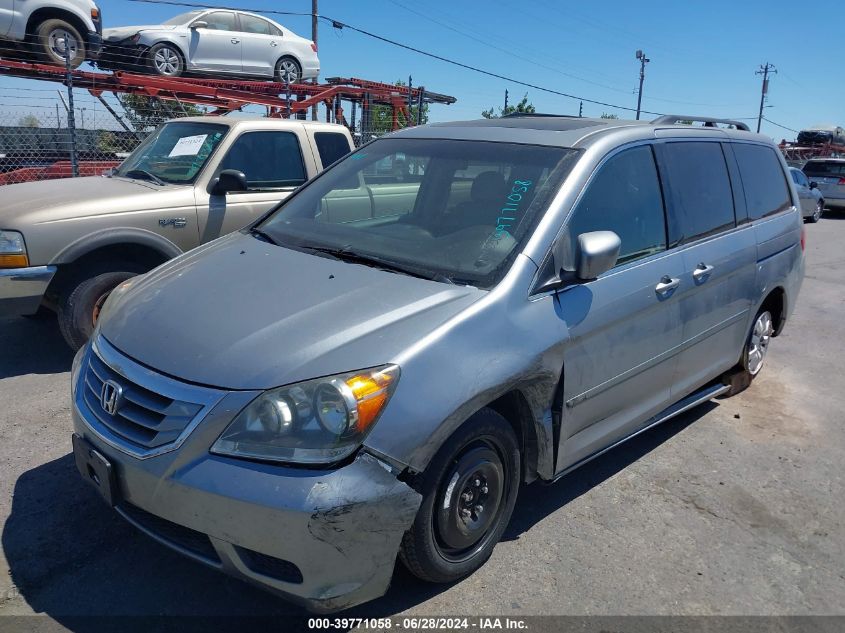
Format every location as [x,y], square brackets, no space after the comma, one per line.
[51,37]
[469,490]
[753,354]
[288,70]
[81,303]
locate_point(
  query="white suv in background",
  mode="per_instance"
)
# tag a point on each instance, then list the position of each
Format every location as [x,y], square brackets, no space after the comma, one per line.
[45,28]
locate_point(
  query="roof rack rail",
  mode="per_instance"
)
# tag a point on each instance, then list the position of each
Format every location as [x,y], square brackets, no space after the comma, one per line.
[530,114]
[669,119]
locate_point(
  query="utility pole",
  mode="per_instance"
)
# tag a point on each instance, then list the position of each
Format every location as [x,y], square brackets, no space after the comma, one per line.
[505,111]
[314,15]
[765,69]
[580,109]
[643,61]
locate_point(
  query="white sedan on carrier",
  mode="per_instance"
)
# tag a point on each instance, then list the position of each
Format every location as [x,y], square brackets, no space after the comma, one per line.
[212,42]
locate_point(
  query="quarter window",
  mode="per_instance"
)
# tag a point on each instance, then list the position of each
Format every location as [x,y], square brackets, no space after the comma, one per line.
[698,190]
[762,180]
[269,160]
[331,147]
[623,197]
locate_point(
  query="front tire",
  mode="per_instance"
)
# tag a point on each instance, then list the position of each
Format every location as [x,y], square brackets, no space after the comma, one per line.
[817,213]
[165,60]
[53,37]
[469,490]
[80,306]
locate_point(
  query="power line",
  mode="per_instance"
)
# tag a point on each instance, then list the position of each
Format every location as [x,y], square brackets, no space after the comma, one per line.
[338,24]
[779,125]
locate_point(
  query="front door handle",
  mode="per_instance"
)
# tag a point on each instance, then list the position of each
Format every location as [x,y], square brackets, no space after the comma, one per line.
[273,44]
[667,285]
[702,272]
[235,40]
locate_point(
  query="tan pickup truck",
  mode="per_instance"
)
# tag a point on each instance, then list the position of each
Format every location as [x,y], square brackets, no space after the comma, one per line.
[65,244]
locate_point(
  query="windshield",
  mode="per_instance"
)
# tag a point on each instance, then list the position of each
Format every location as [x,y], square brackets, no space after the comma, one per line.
[175,153]
[824,168]
[458,210]
[182,18]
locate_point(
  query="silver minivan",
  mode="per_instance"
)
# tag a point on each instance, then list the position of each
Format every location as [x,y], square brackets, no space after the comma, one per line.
[376,366]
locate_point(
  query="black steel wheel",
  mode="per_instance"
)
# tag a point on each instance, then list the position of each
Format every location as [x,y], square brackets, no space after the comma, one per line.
[469,491]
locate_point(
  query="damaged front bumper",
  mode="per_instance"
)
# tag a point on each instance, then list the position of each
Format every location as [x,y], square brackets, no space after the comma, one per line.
[326,539]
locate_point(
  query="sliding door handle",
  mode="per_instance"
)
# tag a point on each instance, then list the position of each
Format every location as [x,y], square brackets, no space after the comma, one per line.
[702,272]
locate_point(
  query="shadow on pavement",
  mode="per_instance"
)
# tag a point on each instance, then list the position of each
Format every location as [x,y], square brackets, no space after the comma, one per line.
[71,556]
[32,346]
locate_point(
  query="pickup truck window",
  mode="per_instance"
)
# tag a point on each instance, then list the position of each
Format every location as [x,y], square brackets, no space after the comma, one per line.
[175,152]
[269,160]
[331,146]
[433,221]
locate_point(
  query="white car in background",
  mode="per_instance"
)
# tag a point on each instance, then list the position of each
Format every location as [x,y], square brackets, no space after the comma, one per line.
[212,42]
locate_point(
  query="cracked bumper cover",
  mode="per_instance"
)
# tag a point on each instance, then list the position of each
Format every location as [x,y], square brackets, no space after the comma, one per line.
[341,528]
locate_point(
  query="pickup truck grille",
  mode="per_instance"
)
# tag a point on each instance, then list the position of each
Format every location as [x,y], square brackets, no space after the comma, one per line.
[140,416]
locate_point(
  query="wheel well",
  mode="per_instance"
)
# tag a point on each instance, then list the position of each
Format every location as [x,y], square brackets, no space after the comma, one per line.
[513,406]
[775,302]
[289,56]
[137,257]
[47,13]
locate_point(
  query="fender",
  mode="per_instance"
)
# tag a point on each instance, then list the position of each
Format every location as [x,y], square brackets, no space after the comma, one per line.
[61,10]
[111,237]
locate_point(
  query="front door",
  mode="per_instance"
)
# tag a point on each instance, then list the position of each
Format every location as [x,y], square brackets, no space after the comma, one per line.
[624,327]
[273,166]
[6,12]
[217,45]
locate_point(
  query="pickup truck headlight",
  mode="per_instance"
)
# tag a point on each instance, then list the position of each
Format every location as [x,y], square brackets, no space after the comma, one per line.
[312,422]
[12,250]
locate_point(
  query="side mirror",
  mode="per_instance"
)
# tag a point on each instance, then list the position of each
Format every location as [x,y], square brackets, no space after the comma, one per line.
[814,184]
[597,253]
[228,180]
[199,24]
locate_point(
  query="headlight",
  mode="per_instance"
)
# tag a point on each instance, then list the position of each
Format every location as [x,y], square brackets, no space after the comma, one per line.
[12,250]
[313,422]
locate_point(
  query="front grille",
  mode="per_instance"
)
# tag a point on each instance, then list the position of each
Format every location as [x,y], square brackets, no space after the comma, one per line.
[176,535]
[142,417]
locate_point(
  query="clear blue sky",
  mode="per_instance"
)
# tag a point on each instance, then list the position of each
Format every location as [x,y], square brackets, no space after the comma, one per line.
[703,54]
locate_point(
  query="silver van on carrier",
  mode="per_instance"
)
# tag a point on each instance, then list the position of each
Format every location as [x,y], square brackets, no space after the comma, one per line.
[377,365]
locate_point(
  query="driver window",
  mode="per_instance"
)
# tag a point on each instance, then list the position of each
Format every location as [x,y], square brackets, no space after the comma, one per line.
[623,197]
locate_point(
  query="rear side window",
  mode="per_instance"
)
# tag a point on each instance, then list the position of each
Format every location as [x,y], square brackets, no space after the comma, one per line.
[252,24]
[624,197]
[331,146]
[220,21]
[824,168]
[698,190]
[765,187]
[269,160]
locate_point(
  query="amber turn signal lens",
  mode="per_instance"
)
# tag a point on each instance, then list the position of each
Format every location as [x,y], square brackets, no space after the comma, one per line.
[371,392]
[95,13]
[14,261]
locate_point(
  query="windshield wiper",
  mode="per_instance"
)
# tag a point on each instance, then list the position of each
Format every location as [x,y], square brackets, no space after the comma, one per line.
[348,255]
[143,174]
[262,234]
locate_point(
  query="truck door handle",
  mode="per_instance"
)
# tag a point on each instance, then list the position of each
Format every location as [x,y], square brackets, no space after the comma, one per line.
[273,44]
[667,285]
[702,272]
[235,40]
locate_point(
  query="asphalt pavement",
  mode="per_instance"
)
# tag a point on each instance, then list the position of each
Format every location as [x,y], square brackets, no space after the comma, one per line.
[736,507]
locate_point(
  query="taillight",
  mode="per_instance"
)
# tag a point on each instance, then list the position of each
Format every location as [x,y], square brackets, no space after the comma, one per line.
[313,47]
[803,238]
[841,181]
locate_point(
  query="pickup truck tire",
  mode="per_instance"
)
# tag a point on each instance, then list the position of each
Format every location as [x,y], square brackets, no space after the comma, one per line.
[50,38]
[81,303]
[469,490]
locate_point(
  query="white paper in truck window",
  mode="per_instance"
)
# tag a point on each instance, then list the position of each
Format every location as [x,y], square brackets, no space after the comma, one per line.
[188,145]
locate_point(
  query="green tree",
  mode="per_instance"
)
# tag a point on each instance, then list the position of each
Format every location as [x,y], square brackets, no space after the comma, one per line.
[523,107]
[605,115]
[29,120]
[146,113]
[382,116]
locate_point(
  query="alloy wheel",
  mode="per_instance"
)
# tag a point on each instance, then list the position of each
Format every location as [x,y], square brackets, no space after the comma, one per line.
[758,343]
[166,61]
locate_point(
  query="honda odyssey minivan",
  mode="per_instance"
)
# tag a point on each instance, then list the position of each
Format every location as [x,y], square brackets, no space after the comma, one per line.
[375,367]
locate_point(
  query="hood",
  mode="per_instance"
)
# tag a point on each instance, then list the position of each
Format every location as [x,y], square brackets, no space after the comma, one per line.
[122,32]
[47,201]
[241,313]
